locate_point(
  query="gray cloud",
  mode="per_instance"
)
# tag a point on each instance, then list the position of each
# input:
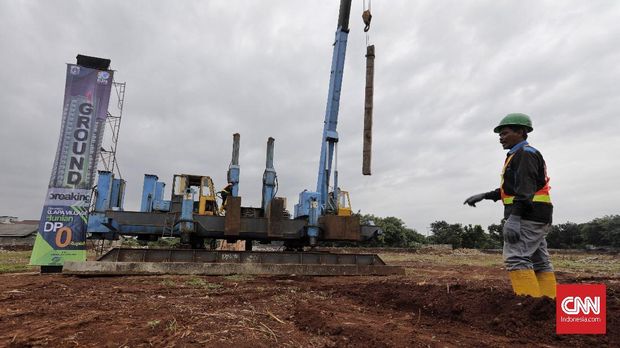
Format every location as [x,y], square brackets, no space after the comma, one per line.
[446,72]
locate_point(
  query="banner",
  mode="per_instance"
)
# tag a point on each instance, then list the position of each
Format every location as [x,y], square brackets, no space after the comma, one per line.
[62,229]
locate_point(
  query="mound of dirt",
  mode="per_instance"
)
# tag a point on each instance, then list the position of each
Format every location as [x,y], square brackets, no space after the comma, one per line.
[495,310]
[466,252]
[433,305]
[327,323]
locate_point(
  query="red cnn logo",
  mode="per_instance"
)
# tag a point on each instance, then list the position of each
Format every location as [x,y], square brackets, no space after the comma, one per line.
[580,309]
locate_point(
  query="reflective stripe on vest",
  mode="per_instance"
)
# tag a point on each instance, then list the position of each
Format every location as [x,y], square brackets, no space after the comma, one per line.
[541,195]
[545,198]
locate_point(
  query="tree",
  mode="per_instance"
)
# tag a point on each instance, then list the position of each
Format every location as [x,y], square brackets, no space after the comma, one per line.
[603,231]
[469,236]
[444,233]
[496,236]
[565,236]
[395,232]
[474,237]
[600,232]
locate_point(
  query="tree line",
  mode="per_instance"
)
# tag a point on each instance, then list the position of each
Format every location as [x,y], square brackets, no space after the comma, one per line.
[600,232]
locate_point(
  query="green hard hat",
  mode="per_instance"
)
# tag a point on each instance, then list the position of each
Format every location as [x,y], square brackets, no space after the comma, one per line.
[516,119]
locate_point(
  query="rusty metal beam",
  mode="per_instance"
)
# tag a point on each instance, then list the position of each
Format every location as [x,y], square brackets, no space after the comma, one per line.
[368,106]
[232,224]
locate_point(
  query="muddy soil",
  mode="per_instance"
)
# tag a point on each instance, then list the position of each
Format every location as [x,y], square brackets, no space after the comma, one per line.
[436,306]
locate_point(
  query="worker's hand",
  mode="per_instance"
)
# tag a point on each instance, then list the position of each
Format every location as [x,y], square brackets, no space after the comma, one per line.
[474,199]
[512,229]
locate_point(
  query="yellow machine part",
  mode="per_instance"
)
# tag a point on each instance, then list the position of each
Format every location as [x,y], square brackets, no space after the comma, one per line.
[344,204]
[207,204]
[202,206]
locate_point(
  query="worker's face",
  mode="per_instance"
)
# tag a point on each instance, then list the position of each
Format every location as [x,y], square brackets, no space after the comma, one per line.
[509,138]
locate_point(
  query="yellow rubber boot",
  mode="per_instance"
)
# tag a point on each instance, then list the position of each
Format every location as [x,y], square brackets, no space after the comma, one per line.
[524,282]
[546,283]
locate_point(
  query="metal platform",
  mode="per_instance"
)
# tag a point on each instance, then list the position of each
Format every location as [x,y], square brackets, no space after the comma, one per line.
[123,261]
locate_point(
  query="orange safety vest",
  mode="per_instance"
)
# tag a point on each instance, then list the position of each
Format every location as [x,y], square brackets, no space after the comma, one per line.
[541,195]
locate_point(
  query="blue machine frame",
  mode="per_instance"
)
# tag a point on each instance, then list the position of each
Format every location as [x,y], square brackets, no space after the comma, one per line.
[179,217]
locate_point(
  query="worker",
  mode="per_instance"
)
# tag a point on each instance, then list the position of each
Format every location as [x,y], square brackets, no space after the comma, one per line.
[524,190]
[226,191]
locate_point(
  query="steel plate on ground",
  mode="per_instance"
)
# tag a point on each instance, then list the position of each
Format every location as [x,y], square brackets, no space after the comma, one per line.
[91,268]
[220,262]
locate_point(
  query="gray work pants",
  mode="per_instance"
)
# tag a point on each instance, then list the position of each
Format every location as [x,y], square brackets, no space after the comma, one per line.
[530,251]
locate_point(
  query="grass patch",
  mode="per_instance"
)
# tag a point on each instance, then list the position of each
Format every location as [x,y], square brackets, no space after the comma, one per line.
[482,260]
[586,263]
[172,325]
[201,283]
[168,283]
[213,286]
[601,264]
[15,261]
[153,323]
[238,277]
[196,282]
[160,243]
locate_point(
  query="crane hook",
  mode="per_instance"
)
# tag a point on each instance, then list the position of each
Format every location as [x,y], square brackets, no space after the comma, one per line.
[366,17]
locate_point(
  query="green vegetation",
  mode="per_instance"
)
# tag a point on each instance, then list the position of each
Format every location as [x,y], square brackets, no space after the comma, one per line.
[201,283]
[153,323]
[601,232]
[465,236]
[193,282]
[172,325]
[238,277]
[196,282]
[587,263]
[213,286]
[163,242]
[446,259]
[15,261]
[168,283]
[395,233]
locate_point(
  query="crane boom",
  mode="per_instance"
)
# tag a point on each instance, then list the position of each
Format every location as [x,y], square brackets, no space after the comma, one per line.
[330,135]
[314,204]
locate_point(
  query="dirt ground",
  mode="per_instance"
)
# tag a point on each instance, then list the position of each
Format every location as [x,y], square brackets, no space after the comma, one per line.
[443,303]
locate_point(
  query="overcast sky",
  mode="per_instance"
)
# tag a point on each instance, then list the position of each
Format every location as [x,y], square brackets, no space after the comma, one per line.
[446,72]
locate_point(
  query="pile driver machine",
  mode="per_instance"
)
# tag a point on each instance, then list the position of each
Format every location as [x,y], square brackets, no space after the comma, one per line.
[193,213]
